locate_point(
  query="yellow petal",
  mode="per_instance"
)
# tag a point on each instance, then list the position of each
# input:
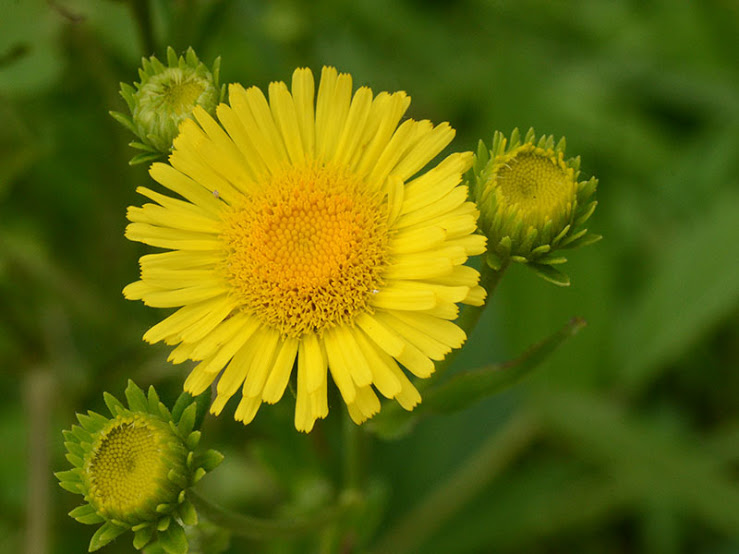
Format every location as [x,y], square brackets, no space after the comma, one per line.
[278,378]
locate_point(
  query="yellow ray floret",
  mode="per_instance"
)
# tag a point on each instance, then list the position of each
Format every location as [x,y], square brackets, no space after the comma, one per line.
[307,242]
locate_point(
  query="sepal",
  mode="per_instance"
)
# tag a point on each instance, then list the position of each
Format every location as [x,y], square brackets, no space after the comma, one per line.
[105,534]
[551,274]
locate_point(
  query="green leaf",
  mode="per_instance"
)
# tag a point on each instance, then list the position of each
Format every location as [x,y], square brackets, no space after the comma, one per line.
[141,146]
[187,422]
[177,478]
[164,412]
[182,402]
[76,461]
[136,398]
[81,434]
[154,548]
[145,158]
[580,239]
[86,514]
[113,404]
[187,513]
[548,273]
[467,388]
[164,523]
[585,215]
[124,120]
[481,158]
[203,403]
[153,399]
[644,458]
[73,475]
[104,535]
[143,536]
[210,460]
[551,259]
[73,447]
[74,487]
[695,285]
[198,475]
[522,497]
[493,260]
[464,389]
[90,423]
[193,439]
[173,540]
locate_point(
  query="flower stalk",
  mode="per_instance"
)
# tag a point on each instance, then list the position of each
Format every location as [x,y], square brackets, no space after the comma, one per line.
[265,529]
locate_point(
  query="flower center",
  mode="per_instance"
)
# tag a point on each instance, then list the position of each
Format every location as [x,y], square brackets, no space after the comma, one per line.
[181,91]
[539,184]
[126,469]
[307,252]
[173,90]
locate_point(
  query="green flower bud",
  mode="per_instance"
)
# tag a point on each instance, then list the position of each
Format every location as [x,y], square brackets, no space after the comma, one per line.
[165,97]
[134,469]
[531,202]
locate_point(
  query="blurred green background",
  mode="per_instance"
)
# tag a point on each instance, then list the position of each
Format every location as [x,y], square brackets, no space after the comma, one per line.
[634,445]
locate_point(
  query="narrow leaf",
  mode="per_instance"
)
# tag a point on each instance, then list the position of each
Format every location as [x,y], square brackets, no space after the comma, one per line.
[548,273]
[113,404]
[106,533]
[464,389]
[144,158]
[86,514]
[182,402]
[187,422]
[210,460]
[142,537]
[136,398]
[203,403]
[173,540]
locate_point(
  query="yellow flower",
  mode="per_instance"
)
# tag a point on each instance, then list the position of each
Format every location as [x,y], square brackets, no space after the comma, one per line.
[307,234]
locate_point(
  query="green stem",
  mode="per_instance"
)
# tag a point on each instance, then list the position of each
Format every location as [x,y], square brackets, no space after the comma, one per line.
[142,16]
[39,393]
[353,454]
[491,458]
[264,529]
[354,463]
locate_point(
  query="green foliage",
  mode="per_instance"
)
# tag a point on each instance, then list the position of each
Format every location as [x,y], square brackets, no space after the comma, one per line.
[468,387]
[635,447]
[695,283]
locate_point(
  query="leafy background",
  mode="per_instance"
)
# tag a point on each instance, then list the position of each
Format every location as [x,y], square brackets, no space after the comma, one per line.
[625,440]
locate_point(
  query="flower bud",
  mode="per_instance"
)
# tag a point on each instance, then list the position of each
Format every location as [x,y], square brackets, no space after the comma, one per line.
[165,97]
[531,202]
[134,469]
